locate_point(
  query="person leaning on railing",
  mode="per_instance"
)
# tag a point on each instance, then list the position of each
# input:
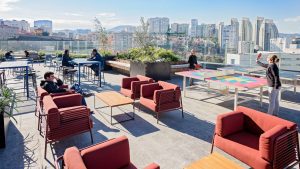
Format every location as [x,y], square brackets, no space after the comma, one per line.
[273,79]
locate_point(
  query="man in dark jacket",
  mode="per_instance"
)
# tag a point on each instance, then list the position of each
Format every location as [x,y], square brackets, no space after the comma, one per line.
[96,57]
[52,85]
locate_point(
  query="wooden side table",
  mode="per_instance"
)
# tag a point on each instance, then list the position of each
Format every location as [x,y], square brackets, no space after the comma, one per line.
[213,161]
[114,99]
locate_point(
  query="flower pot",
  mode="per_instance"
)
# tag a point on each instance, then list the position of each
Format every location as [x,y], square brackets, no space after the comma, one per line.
[4,122]
[155,70]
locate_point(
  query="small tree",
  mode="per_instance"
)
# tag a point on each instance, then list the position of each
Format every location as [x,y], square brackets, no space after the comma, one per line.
[103,35]
[142,37]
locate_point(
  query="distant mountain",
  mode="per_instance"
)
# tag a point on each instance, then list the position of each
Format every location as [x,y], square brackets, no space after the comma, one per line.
[126,28]
[288,35]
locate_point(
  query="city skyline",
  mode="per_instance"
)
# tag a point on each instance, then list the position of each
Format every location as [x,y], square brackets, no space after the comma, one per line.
[66,15]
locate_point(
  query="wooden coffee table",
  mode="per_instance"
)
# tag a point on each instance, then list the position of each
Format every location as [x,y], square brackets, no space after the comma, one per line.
[114,99]
[213,161]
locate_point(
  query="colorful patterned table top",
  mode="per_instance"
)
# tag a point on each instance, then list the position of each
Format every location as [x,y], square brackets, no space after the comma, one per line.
[239,81]
[243,69]
[202,74]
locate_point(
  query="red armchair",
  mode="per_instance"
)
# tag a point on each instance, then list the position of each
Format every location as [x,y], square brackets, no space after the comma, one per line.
[131,85]
[65,116]
[41,93]
[161,97]
[111,154]
[260,140]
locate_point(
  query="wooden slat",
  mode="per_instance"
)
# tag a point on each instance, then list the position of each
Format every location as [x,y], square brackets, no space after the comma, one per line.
[213,161]
[112,98]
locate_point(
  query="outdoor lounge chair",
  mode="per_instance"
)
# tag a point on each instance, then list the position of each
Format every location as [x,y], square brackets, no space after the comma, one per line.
[258,139]
[161,97]
[131,85]
[65,117]
[110,154]
[40,94]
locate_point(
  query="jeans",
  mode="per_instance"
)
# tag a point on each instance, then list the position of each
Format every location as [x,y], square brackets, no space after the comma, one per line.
[273,101]
[77,89]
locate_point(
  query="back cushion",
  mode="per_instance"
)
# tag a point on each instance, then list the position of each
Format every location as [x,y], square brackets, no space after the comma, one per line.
[113,154]
[72,159]
[229,123]
[258,122]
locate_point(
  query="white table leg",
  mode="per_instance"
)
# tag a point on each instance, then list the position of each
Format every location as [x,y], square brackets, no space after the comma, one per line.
[236,97]
[184,86]
[261,96]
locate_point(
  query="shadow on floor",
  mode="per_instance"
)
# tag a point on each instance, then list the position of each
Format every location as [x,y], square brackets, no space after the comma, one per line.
[190,124]
[20,151]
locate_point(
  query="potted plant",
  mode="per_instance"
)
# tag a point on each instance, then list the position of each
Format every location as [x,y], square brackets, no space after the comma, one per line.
[7,101]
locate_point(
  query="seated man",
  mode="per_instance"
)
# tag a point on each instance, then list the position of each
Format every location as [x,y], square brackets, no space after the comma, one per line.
[95,57]
[52,85]
[8,56]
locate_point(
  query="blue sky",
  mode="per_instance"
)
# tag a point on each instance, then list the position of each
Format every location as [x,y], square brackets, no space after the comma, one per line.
[72,14]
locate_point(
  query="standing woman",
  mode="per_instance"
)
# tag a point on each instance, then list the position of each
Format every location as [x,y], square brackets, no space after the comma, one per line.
[274,84]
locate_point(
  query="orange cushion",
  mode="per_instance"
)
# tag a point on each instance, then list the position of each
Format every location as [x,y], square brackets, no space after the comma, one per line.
[229,123]
[243,146]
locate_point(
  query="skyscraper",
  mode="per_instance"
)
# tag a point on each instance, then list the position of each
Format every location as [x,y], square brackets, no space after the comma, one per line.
[45,25]
[194,25]
[234,34]
[268,31]
[257,25]
[158,25]
[220,31]
[246,30]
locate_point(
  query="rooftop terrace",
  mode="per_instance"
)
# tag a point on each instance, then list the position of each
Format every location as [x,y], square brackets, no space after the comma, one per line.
[173,143]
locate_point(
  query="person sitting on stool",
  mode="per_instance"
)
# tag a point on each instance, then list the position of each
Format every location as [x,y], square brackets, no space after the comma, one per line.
[95,57]
[66,59]
[193,63]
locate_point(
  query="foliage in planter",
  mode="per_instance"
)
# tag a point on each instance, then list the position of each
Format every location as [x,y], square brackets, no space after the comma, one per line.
[73,55]
[6,99]
[149,54]
[105,53]
[41,53]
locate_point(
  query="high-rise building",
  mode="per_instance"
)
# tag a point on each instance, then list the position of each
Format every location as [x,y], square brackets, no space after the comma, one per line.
[235,34]
[268,31]
[278,45]
[45,25]
[246,30]
[209,30]
[180,28]
[7,32]
[194,25]
[158,25]
[23,26]
[246,47]
[200,30]
[257,25]
[122,41]
[220,31]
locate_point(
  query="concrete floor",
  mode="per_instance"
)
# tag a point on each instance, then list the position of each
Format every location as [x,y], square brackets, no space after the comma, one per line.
[173,143]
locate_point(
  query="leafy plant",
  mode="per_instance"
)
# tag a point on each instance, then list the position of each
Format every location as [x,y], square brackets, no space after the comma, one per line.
[7,98]
[102,34]
[105,52]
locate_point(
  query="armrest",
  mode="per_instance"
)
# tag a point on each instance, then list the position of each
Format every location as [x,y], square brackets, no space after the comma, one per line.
[152,166]
[229,123]
[163,96]
[72,159]
[63,93]
[267,139]
[72,113]
[136,85]
[69,100]
[147,90]
[126,82]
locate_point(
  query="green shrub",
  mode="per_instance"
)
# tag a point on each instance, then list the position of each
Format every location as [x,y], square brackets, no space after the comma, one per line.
[105,53]
[73,55]
[149,54]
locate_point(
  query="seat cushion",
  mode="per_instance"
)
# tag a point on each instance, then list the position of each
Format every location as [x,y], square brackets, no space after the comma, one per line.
[72,159]
[148,102]
[243,146]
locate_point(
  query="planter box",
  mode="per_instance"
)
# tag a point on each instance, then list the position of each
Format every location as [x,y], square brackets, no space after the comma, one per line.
[156,70]
[4,122]
[107,58]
